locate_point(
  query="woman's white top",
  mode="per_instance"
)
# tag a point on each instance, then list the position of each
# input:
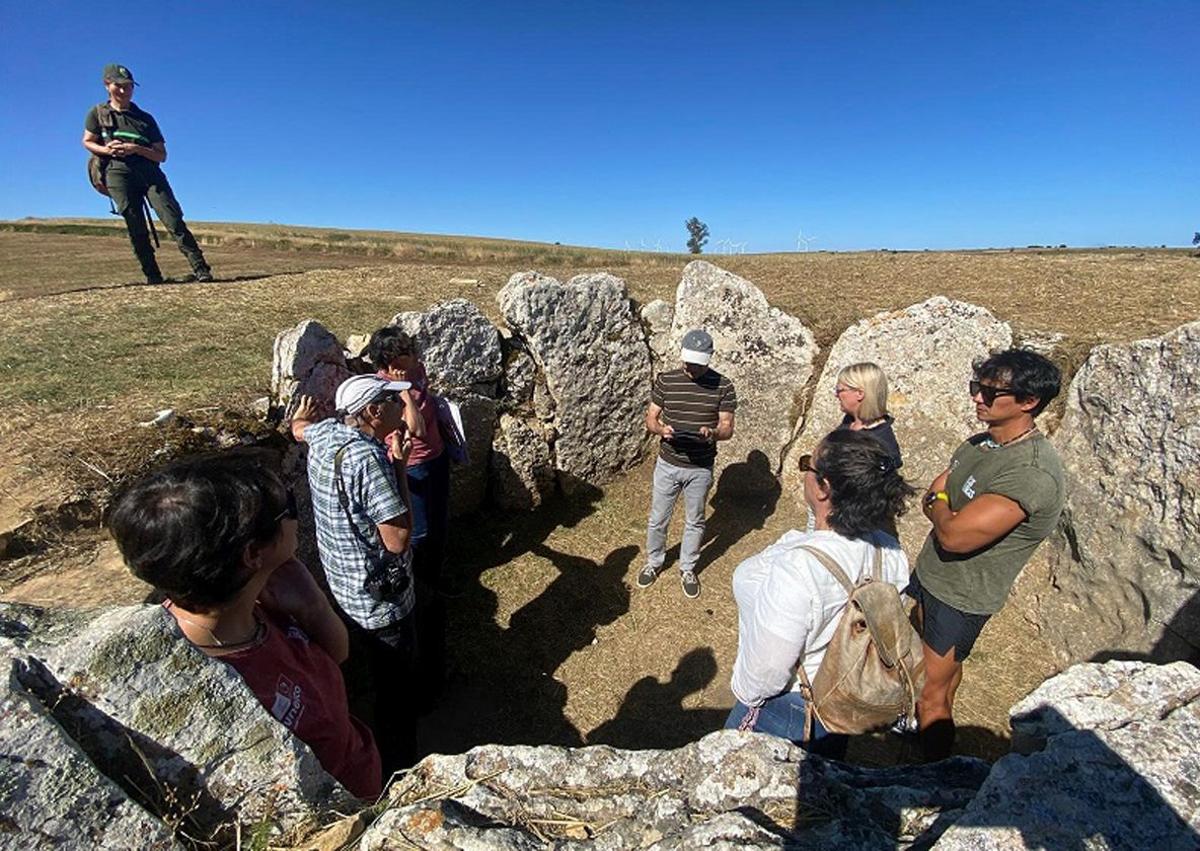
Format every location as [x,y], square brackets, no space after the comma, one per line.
[789,606]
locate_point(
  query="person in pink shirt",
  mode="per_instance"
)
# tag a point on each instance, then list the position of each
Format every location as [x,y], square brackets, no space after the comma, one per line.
[217,535]
[395,355]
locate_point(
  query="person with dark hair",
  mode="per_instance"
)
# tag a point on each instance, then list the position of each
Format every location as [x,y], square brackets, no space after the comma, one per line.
[998,499]
[394,354]
[217,535]
[789,603]
[132,149]
[363,523]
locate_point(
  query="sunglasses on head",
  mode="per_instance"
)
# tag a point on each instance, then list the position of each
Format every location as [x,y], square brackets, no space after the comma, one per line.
[291,510]
[807,465]
[989,394]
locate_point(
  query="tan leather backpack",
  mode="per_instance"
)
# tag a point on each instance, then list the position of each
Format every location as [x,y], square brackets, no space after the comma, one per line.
[873,669]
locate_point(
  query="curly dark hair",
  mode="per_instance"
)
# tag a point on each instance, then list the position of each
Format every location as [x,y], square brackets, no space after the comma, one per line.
[866,491]
[1030,375]
[184,528]
[388,343]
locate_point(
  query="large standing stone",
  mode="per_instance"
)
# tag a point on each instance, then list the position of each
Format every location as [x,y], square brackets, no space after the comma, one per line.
[459,346]
[308,361]
[51,796]
[728,790]
[1130,444]
[589,347]
[185,729]
[522,469]
[927,351]
[657,317]
[1117,765]
[469,482]
[765,352]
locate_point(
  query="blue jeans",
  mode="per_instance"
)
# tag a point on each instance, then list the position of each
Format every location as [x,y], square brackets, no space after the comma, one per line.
[783,716]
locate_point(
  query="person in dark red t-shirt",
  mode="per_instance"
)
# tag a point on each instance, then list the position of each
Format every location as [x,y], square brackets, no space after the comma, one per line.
[217,534]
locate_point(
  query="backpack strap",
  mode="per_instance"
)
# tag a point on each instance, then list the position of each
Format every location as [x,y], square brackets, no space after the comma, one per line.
[832,566]
[877,563]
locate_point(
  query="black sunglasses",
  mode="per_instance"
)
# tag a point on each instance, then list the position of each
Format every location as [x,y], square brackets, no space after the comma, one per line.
[291,511]
[807,465]
[989,394]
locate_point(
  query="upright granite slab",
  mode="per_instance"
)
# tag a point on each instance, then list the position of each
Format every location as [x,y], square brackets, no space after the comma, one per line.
[593,369]
[1127,579]
[308,360]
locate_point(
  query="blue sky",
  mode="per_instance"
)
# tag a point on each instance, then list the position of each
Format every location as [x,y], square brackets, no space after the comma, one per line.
[867,125]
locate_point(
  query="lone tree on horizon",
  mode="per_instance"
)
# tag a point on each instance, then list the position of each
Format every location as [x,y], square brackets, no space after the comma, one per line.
[699,234]
[1195,237]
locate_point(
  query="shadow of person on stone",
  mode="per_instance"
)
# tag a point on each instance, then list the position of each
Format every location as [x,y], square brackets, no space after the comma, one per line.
[1178,642]
[743,500]
[1067,788]
[654,715]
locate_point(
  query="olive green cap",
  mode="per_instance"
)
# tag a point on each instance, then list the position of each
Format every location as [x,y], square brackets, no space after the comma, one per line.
[114,73]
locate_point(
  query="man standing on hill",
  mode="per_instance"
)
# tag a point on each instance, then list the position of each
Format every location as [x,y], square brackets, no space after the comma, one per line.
[691,408]
[999,498]
[361,510]
[131,148]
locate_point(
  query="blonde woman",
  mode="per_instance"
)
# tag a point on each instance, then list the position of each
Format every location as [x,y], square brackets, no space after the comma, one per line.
[862,393]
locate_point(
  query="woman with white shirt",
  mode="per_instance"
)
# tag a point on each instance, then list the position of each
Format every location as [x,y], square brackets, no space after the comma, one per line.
[789,605]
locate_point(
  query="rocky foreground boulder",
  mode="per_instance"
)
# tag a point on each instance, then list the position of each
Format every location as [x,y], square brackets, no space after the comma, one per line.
[177,735]
[1113,762]
[117,734]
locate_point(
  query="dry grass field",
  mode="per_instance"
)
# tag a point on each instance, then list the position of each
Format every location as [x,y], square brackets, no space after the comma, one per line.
[551,642]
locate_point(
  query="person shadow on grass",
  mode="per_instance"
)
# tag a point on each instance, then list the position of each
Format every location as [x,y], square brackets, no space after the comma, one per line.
[653,714]
[745,498]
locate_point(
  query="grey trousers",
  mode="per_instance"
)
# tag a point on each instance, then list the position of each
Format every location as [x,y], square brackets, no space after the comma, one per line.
[669,480]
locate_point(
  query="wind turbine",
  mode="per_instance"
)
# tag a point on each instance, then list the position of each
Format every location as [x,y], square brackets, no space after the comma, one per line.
[805,241]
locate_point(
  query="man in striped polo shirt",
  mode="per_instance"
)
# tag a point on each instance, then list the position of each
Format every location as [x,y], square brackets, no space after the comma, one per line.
[691,408]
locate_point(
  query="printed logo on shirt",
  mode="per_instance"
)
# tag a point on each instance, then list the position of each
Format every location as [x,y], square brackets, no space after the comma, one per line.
[289,703]
[968,487]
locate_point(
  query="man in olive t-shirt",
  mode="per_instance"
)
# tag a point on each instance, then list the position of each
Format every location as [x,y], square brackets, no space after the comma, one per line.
[1000,497]
[131,146]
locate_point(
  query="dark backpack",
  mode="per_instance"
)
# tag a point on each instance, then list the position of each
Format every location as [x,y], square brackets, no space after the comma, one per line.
[98,165]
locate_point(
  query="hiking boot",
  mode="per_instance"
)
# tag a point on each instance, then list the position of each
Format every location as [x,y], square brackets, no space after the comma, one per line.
[646,577]
[691,585]
[203,277]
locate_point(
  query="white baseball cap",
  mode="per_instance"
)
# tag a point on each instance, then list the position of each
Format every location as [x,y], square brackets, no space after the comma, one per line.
[358,391]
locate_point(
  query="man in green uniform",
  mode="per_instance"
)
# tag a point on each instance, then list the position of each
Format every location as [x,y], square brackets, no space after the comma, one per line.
[999,498]
[131,146]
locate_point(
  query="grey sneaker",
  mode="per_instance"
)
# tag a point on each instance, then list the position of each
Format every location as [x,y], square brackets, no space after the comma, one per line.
[691,585]
[646,577]
[203,277]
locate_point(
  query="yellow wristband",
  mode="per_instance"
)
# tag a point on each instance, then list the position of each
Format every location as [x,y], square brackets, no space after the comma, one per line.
[943,496]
